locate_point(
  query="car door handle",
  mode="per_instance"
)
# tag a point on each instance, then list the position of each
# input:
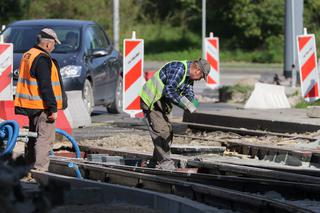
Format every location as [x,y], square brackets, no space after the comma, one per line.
[111,62]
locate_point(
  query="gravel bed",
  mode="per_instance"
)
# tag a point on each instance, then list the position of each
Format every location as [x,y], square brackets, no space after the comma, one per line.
[139,140]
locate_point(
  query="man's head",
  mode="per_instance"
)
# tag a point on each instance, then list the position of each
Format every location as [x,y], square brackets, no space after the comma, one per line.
[199,69]
[47,39]
[72,38]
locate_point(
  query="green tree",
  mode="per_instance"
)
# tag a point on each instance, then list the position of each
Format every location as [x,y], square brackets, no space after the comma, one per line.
[246,23]
[95,10]
[12,10]
[312,15]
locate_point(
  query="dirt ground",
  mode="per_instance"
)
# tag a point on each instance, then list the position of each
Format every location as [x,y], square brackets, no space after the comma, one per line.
[141,141]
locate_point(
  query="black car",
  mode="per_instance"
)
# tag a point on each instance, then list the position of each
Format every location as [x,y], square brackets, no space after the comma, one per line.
[87,59]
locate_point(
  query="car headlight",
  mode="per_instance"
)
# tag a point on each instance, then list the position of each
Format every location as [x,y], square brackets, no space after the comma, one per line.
[16,73]
[70,71]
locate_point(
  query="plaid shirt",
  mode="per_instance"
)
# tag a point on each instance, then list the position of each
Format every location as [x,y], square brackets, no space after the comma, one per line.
[171,75]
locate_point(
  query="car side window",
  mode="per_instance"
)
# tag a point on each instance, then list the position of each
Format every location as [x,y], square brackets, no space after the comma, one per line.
[101,41]
[89,41]
[95,39]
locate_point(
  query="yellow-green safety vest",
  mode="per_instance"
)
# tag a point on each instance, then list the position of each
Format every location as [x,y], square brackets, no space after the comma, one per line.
[153,88]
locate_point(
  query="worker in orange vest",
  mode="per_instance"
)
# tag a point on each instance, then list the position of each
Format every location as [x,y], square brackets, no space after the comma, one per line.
[39,95]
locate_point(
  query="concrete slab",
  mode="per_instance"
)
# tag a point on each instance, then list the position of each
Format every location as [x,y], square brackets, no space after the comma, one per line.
[267,96]
[313,111]
[77,112]
[275,120]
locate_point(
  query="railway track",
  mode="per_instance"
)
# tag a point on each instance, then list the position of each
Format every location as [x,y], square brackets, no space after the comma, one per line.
[222,182]
[293,156]
[279,173]
[292,190]
[208,194]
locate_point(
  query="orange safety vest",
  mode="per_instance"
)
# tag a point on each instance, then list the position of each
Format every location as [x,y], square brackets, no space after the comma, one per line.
[27,92]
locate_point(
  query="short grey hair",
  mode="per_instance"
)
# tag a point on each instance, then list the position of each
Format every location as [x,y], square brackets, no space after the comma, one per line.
[42,40]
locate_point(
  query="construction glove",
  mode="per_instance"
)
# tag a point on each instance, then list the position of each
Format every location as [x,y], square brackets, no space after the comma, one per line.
[195,102]
[187,104]
[182,106]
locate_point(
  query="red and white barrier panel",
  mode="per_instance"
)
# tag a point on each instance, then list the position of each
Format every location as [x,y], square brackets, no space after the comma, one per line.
[133,75]
[212,56]
[307,57]
[6,67]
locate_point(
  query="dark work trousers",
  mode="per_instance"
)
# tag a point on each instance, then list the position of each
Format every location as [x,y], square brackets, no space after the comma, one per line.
[160,130]
[37,149]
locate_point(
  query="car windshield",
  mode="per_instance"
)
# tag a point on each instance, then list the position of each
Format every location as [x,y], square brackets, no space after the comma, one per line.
[23,38]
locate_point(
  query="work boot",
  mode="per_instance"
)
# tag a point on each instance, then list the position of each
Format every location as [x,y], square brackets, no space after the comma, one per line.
[150,164]
[28,178]
[166,165]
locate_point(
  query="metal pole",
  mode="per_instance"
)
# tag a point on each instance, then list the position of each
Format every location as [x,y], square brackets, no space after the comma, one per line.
[293,68]
[1,36]
[116,23]
[203,26]
[133,35]
[293,27]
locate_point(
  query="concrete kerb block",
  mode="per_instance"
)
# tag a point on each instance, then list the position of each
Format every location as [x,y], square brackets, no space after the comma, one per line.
[267,96]
[77,112]
[313,111]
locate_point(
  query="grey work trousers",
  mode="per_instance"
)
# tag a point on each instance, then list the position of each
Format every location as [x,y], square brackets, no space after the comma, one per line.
[160,130]
[37,149]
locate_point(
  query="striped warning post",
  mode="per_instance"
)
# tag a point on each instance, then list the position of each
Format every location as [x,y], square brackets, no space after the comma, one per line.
[212,56]
[307,57]
[133,79]
[6,66]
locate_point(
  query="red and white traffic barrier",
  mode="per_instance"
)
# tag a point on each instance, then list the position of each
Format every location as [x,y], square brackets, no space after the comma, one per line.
[6,86]
[133,78]
[6,67]
[212,56]
[307,57]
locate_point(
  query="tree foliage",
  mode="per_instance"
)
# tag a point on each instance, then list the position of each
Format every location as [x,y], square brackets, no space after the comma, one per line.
[241,24]
[96,10]
[312,15]
[11,10]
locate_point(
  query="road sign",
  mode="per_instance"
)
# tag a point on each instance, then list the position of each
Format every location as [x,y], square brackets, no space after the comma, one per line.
[132,74]
[212,56]
[307,57]
[6,67]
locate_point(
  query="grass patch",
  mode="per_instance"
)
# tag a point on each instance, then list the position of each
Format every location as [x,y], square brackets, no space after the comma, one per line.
[303,104]
[237,94]
[174,55]
[163,42]
[225,56]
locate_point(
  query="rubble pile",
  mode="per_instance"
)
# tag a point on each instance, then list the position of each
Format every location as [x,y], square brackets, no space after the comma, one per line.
[14,197]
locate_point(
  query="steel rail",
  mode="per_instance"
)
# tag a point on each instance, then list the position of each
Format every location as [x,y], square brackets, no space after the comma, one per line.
[209,195]
[218,167]
[263,151]
[287,189]
[283,168]
[210,128]
[242,131]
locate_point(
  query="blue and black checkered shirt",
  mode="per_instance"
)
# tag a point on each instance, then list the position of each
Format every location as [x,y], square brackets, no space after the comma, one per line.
[171,75]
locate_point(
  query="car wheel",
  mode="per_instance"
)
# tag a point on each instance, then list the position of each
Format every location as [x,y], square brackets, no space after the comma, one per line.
[87,96]
[116,106]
